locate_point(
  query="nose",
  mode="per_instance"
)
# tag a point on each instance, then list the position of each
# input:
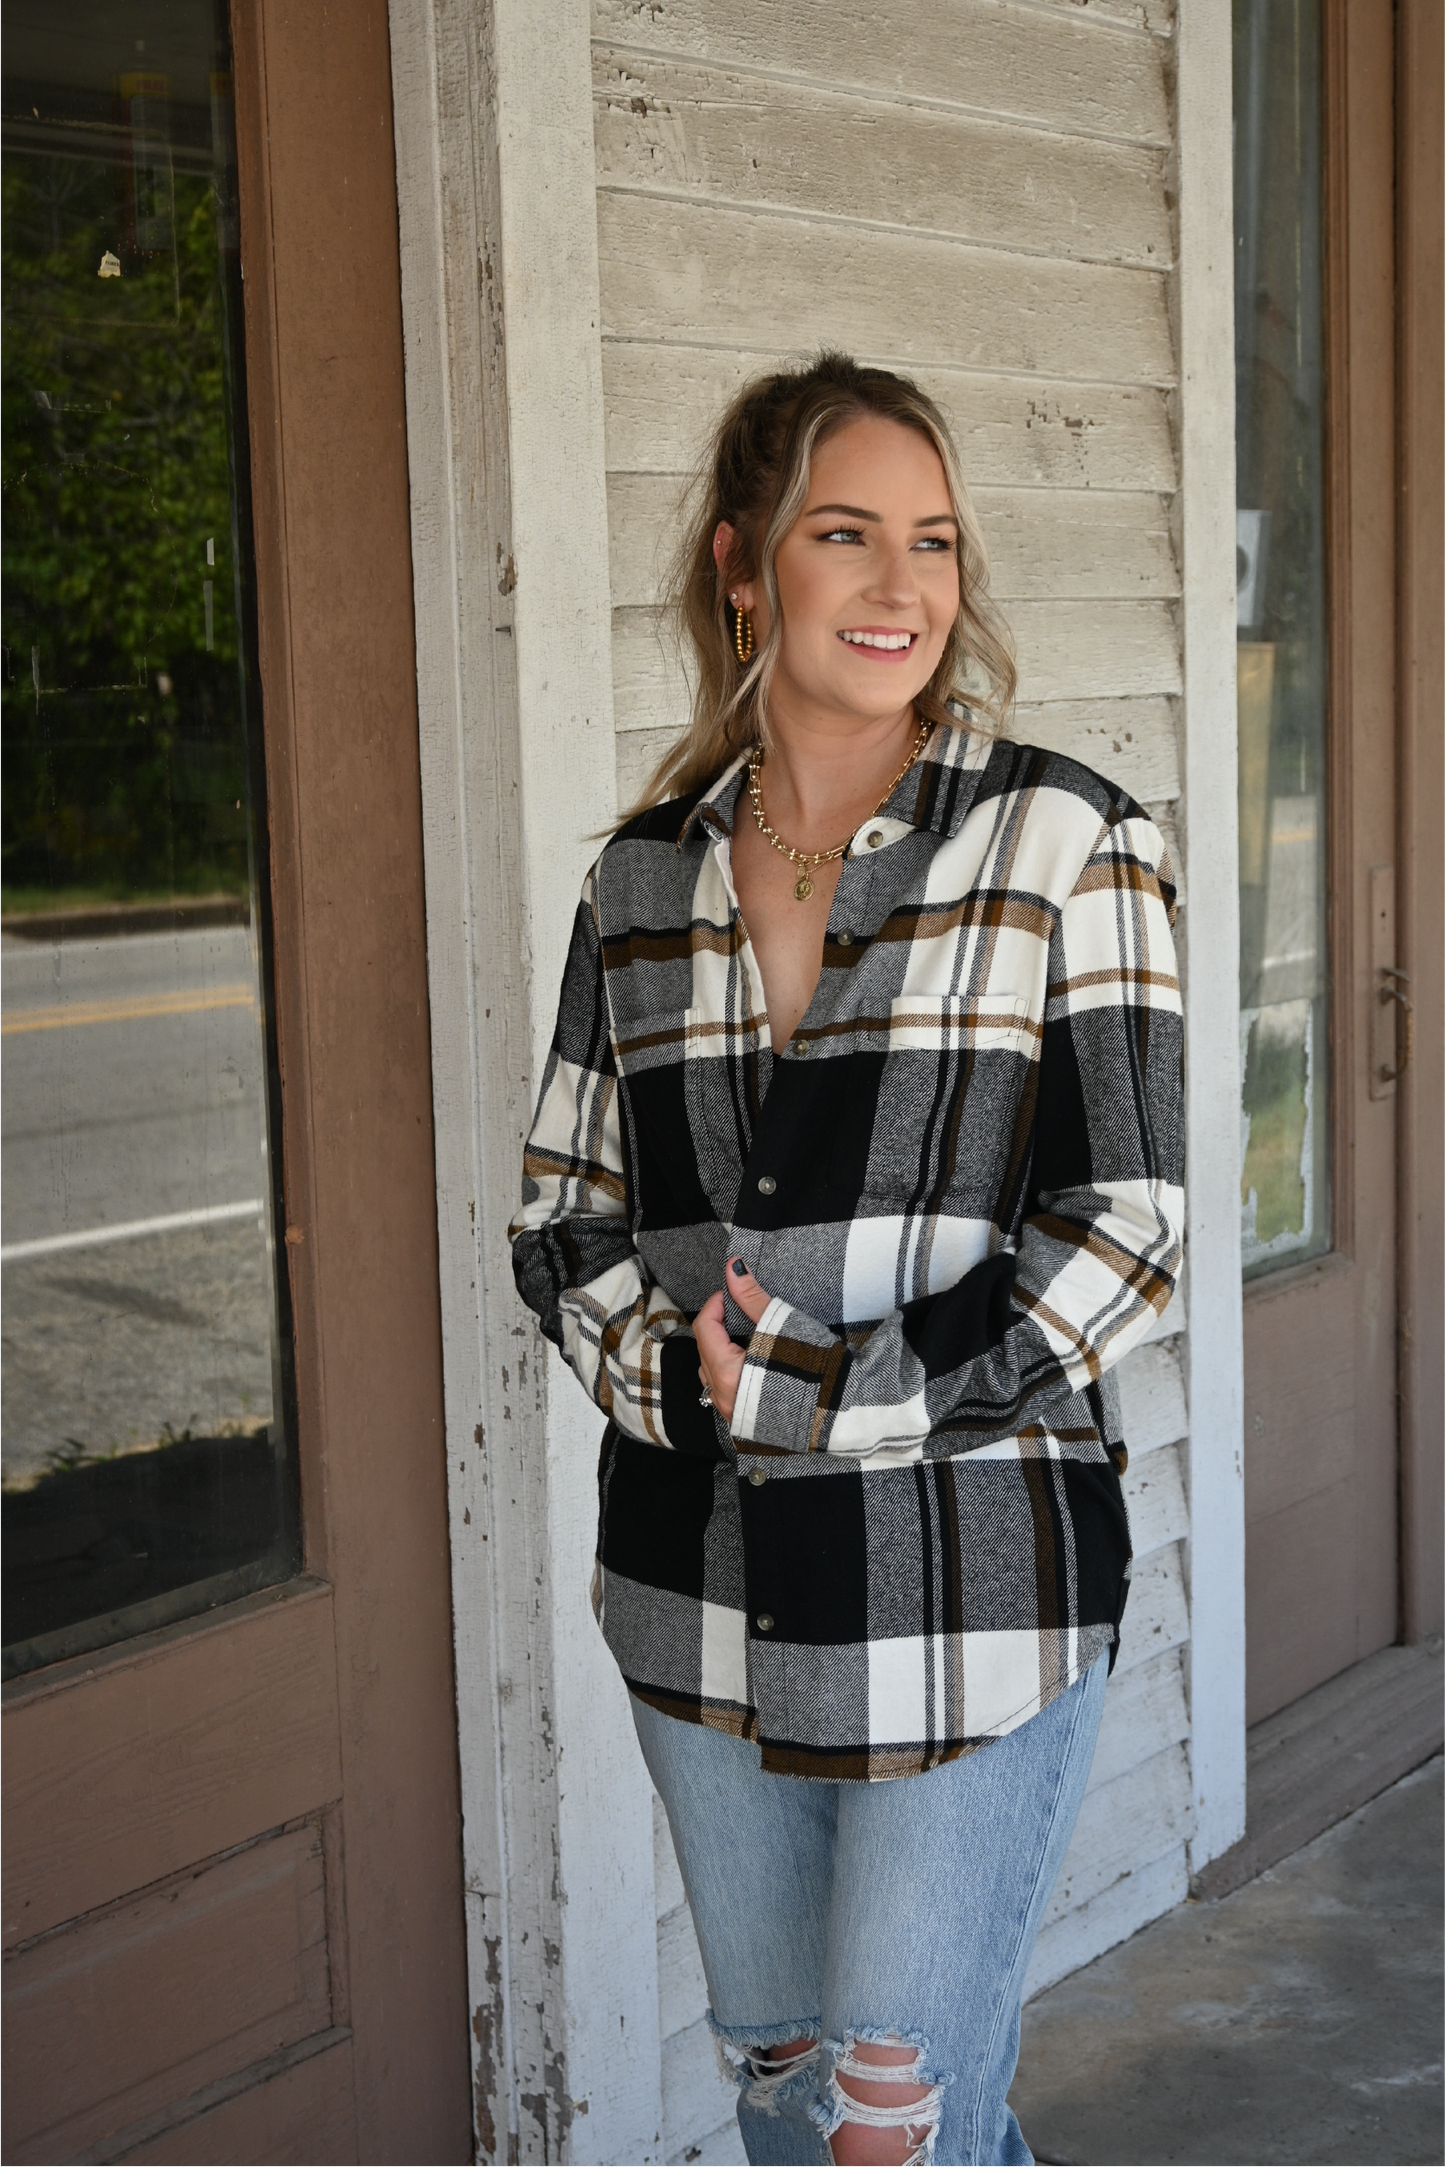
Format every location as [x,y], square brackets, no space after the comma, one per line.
[892,582]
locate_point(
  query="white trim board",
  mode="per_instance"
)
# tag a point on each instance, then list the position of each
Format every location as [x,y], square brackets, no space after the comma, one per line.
[493,131]
[1214,1346]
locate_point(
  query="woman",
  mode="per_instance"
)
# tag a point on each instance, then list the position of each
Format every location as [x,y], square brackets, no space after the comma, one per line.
[855,1170]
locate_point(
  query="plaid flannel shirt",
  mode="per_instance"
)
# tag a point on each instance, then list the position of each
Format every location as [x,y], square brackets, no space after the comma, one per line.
[961,1185]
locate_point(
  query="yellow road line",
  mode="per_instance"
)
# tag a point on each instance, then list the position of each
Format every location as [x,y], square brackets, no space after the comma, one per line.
[127,1009]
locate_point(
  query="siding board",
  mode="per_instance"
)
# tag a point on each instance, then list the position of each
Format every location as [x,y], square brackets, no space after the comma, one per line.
[681,1986]
[1050,66]
[662,402]
[1158,1507]
[1111,1917]
[1152,1801]
[1066,650]
[1145,1712]
[1131,741]
[1157,1617]
[973,191]
[696,2097]
[777,284]
[1151,1398]
[1044,545]
[730,136]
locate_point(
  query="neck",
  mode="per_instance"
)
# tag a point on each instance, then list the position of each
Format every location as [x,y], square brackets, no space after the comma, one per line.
[822,781]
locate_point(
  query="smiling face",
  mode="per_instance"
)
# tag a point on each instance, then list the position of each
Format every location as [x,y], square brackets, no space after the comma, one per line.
[867,577]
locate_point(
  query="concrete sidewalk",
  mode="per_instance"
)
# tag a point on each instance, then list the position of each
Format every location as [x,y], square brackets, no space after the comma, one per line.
[1299,2019]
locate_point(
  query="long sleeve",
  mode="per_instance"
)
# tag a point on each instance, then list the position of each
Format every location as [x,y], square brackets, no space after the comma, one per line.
[1098,1251]
[573,1254]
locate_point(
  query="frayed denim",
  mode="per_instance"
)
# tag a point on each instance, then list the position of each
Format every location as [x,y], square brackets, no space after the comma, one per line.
[899,1914]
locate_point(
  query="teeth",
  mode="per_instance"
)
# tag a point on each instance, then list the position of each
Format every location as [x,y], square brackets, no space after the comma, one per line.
[879,639]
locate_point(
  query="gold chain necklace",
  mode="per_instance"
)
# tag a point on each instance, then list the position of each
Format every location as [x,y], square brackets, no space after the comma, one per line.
[808,859]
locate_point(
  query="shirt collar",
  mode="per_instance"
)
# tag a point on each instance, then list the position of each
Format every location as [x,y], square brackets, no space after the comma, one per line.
[934,795]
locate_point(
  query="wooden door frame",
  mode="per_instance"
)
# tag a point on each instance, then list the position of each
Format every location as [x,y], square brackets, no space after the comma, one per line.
[1355,1280]
[326,396]
[330,1698]
[1420,891]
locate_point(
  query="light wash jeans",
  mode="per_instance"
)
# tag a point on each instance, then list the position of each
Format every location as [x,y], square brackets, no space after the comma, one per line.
[849,1912]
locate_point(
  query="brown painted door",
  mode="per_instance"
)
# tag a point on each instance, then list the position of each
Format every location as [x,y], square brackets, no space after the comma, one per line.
[233,1900]
[1318,1027]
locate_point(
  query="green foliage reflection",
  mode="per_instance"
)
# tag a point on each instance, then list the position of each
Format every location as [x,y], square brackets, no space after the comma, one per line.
[124,761]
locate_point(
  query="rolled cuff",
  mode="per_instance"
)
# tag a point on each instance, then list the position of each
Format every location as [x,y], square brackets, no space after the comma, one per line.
[793,1369]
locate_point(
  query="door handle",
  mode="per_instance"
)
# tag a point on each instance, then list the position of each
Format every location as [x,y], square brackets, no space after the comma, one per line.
[1393,991]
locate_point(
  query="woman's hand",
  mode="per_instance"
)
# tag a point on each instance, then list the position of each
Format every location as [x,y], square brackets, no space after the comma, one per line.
[719,1362]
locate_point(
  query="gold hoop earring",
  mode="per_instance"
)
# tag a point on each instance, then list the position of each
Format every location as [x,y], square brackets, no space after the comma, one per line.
[743,619]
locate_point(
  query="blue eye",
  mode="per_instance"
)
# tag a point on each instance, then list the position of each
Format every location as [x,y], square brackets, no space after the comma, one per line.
[842,534]
[934,542]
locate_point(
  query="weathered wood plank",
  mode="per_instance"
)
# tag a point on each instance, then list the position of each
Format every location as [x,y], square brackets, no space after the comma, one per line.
[719,2148]
[1109,1918]
[696,2097]
[1145,1712]
[1133,741]
[1077,544]
[681,1986]
[695,273]
[1165,819]
[1158,1507]
[1044,544]
[1124,1825]
[663,401]
[1075,651]
[230,1718]
[1157,1617]
[666,1873]
[731,136]
[1094,650]
[1049,66]
[1151,1396]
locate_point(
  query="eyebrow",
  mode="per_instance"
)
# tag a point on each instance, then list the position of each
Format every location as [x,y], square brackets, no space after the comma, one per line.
[856,511]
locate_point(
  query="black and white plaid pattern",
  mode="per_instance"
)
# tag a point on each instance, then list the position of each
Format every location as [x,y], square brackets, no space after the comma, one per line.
[962,1186]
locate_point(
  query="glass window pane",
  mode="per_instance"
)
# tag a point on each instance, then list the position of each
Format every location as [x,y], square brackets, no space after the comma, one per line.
[1283,665]
[147,1471]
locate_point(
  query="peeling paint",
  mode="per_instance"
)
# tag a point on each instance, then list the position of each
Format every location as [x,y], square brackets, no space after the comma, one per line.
[556,2126]
[487,2031]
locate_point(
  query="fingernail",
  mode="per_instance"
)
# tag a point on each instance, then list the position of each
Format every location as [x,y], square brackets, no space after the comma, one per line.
[740,1270]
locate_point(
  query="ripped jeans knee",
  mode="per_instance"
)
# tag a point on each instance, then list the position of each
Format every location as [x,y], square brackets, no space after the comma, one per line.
[864,2095]
[772,2066]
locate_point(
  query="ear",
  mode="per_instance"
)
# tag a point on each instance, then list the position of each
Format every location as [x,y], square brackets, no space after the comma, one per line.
[741,596]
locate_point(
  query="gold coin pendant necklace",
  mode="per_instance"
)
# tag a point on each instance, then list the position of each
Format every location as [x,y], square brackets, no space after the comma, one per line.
[809,860]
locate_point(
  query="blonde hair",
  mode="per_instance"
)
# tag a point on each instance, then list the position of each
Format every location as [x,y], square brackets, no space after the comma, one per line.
[755,478]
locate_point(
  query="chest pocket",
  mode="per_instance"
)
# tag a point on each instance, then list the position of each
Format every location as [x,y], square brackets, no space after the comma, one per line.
[691,1089]
[651,1056]
[935,1106]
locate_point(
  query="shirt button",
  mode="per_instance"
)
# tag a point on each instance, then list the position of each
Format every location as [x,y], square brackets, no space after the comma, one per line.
[766,1185]
[801,1048]
[875,837]
[845,938]
[757,1476]
[765,1623]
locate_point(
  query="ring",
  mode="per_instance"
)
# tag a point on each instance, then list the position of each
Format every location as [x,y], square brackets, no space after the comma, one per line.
[704,1398]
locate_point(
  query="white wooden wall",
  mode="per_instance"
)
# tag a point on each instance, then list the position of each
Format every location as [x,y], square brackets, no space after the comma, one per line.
[1026,203]
[978,192]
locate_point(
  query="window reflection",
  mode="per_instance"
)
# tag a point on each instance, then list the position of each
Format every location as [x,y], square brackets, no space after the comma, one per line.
[1282,652]
[145,1379]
